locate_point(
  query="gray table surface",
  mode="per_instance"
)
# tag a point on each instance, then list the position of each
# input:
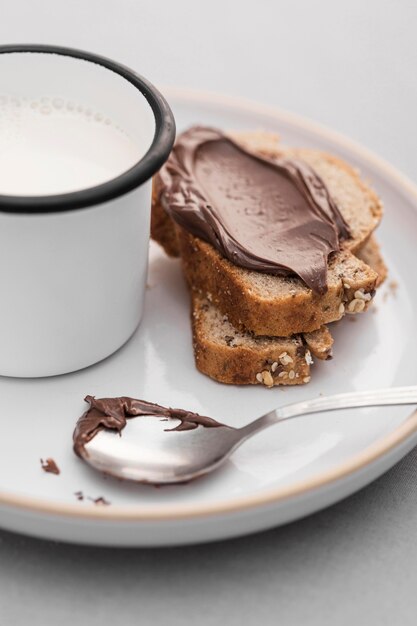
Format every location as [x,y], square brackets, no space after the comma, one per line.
[351,65]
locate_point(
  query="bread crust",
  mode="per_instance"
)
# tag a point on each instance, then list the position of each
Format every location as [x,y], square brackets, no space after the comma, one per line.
[320,343]
[370,254]
[162,227]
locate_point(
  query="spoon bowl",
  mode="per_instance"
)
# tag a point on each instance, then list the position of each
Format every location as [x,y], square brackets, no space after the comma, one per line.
[149,451]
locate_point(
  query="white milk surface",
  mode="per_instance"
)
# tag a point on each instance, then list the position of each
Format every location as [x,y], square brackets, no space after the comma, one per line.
[52,146]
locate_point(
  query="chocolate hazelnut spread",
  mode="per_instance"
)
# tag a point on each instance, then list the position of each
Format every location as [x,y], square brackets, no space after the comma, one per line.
[50,467]
[273,215]
[113,413]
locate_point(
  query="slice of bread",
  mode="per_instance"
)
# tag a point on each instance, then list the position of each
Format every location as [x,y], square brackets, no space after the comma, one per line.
[261,302]
[166,233]
[267,305]
[238,358]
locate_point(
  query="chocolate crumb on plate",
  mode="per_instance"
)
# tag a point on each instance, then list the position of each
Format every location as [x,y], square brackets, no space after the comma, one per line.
[393,286]
[100,501]
[392,290]
[49,466]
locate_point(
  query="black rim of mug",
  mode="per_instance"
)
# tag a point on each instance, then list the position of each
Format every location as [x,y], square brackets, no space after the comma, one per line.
[142,171]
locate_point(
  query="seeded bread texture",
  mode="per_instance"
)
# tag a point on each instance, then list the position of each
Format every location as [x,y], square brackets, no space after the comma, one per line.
[234,357]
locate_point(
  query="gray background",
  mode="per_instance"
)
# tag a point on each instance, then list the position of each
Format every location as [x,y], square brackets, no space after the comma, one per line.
[351,65]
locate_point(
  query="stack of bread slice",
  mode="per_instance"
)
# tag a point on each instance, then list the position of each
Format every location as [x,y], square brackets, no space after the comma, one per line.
[256,328]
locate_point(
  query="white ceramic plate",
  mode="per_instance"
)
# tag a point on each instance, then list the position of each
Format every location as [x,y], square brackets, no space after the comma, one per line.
[280,475]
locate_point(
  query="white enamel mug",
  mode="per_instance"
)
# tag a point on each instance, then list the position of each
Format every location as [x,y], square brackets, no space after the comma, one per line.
[73,266]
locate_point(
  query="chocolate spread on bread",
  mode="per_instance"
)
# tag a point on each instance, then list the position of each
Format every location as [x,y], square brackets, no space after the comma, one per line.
[273,215]
[113,413]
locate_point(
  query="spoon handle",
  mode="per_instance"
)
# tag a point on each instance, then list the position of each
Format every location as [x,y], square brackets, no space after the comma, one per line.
[356,399]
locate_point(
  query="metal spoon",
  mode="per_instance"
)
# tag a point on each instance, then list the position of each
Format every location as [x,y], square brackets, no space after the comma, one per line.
[147,452]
